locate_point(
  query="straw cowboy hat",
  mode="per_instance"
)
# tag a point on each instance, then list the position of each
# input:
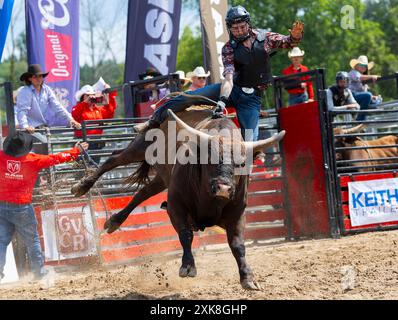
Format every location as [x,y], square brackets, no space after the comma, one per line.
[363,60]
[33,69]
[184,80]
[198,72]
[18,144]
[296,52]
[87,89]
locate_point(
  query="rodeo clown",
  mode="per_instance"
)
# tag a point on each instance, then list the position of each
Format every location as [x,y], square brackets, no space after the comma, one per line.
[247,71]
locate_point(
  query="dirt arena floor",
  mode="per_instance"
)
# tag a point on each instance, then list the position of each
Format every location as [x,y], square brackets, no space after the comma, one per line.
[357,267]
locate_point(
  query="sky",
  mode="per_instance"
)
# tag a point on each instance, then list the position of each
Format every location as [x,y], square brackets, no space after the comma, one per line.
[111,12]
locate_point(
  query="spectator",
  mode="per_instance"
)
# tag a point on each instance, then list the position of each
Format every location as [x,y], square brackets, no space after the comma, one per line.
[184,81]
[36,99]
[152,91]
[36,102]
[18,172]
[358,74]
[198,77]
[94,105]
[339,97]
[302,91]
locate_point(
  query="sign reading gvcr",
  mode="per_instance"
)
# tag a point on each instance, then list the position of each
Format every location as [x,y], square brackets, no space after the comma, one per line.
[72,236]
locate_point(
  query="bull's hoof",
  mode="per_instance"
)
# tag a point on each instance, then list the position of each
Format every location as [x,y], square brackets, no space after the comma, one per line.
[79,189]
[189,271]
[111,226]
[251,285]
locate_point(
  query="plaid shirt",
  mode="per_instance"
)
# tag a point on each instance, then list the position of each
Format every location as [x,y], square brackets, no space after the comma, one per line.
[273,41]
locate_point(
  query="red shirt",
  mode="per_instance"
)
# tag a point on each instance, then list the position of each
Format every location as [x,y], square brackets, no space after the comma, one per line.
[18,175]
[291,70]
[82,111]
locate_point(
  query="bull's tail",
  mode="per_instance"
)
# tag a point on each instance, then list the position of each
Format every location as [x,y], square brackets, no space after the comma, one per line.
[140,177]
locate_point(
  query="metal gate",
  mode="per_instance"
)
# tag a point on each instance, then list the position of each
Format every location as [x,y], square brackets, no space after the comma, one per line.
[352,157]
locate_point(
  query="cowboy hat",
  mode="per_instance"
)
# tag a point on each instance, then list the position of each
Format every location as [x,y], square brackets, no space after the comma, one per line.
[18,144]
[198,72]
[182,77]
[150,71]
[33,69]
[362,60]
[296,52]
[87,89]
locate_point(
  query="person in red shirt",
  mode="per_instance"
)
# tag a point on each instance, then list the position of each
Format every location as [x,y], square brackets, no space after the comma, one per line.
[299,92]
[88,109]
[18,173]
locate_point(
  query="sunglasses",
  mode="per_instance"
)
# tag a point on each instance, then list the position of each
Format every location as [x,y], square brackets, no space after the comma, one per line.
[201,78]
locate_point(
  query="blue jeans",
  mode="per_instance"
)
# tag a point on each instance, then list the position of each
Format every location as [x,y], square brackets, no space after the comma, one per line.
[364,100]
[247,107]
[20,218]
[298,98]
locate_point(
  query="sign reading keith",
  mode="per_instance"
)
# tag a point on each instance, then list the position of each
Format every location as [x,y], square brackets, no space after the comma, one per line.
[374,201]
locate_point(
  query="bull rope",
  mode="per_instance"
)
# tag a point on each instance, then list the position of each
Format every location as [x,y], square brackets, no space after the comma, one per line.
[183,94]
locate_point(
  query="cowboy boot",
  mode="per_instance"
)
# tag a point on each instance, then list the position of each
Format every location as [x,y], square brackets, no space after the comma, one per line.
[145,126]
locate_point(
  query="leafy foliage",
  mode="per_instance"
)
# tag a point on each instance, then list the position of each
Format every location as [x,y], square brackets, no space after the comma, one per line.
[190,51]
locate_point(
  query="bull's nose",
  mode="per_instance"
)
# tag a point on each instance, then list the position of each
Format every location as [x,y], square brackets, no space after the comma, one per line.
[223,190]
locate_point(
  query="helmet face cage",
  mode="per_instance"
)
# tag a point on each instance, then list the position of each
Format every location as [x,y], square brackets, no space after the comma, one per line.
[236,15]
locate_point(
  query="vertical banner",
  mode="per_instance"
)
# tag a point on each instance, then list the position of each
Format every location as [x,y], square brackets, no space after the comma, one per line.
[152,38]
[52,35]
[215,35]
[5,18]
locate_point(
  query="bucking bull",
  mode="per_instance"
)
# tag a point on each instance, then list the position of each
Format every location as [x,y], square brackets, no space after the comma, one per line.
[199,195]
[386,150]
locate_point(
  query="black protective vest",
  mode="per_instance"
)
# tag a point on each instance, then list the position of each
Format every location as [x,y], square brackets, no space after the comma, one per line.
[252,67]
[339,97]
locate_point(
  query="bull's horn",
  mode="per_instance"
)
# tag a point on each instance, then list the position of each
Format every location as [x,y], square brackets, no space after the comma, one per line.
[260,145]
[354,129]
[191,130]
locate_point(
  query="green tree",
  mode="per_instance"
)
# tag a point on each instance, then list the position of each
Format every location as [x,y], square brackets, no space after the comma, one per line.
[190,52]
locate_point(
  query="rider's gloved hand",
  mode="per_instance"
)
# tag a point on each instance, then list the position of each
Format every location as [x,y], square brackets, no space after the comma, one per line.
[221,106]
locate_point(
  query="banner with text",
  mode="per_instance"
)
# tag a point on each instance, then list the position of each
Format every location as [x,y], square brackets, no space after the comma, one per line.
[68,233]
[374,201]
[5,18]
[214,35]
[152,38]
[52,35]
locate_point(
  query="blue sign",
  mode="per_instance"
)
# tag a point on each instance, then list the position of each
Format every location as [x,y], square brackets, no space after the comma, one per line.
[5,18]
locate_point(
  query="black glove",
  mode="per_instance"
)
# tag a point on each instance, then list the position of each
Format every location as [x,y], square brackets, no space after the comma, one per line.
[221,106]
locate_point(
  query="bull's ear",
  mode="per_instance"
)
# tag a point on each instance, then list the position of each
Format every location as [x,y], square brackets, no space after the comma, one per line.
[257,146]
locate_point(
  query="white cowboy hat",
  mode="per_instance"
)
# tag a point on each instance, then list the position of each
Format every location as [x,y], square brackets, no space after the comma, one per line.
[184,79]
[198,72]
[296,52]
[362,60]
[87,89]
